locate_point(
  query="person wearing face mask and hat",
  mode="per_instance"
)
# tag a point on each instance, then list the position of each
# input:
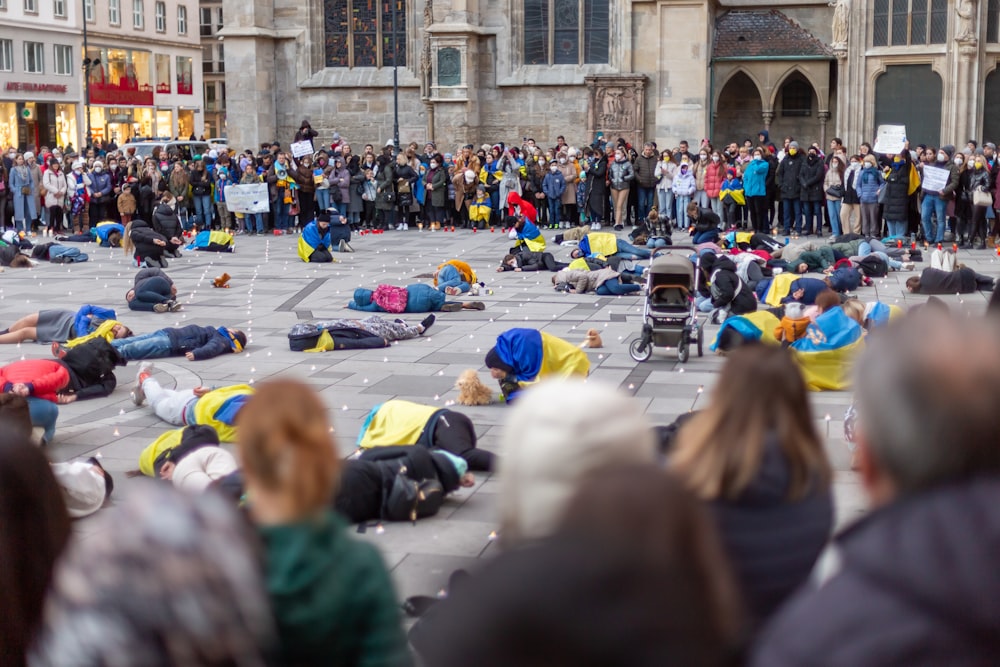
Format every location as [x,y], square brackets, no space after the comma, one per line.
[78,186]
[935,204]
[790,189]
[683,187]
[100,192]
[811,193]
[974,234]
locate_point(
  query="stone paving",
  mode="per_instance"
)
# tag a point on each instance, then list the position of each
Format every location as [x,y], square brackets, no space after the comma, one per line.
[271,290]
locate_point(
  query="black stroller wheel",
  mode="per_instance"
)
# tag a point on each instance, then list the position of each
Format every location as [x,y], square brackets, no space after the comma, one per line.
[701,341]
[639,351]
[684,349]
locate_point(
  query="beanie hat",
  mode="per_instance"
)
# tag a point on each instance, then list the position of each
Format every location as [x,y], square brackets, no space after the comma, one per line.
[493,360]
[28,155]
[198,434]
[564,431]
[336,136]
[793,144]
[323,217]
[731,173]
[83,489]
[470,176]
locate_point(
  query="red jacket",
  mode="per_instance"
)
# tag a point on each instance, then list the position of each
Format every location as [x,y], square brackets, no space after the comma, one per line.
[527,210]
[44,377]
[715,173]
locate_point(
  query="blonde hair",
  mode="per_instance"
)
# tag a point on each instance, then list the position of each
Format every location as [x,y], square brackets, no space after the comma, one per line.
[286,446]
[855,310]
[128,247]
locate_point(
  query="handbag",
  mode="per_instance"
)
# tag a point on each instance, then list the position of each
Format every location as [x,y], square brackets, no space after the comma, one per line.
[388,196]
[981,198]
[25,190]
[882,194]
[836,190]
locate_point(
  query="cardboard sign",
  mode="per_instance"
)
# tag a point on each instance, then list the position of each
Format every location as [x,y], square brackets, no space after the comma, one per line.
[890,139]
[247,198]
[935,178]
[301,148]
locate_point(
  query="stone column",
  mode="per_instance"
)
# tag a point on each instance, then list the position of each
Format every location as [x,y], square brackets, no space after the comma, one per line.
[843,93]
[250,79]
[824,118]
[767,117]
[965,108]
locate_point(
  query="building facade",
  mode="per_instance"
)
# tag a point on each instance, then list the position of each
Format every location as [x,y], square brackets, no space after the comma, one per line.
[667,70]
[140,68]
[213,67]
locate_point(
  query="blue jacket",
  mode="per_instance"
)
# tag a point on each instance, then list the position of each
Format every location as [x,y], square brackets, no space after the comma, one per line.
[811,288]
[204,342]
[420,298]
[755,178]
[867,184]
[101,232]
[554,184]
[89,317]
[101,183]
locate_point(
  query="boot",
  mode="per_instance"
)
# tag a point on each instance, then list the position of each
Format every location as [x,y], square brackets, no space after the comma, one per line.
[991,241]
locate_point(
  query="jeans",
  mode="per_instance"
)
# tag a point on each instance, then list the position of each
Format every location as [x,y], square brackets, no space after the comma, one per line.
[450,277]
[44,413]
[203,211]
[877,248]
[716,205]
[933,204]
[172,406]
[666,203]
[323,199]
[812,217]
[833,207]
[701,197]
[681,202]
[281,215]
[647,196]
[710,236]
[625,248]
[656,242]
[792,213]
[703,304]
[254,222]
[897,229]
[615,287]
[155,345]
[154,291]
[554,205]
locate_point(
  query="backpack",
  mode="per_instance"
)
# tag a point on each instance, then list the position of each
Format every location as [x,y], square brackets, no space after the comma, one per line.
[873,266]
[410,499]
[390,298]
[845,279]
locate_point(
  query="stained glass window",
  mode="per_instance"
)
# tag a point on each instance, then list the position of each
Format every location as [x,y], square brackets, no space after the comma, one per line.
[566,32]
[906,22]
[359,33]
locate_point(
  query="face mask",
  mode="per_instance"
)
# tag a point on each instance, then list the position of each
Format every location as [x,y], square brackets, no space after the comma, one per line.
[942,157]
[666,158]
[958,161]
[703,156]
[562,160]
[78,170]
[113,166]
[756,157]
[684,170]
[854,163]
[553,169]
[813,156]
[98,169]
[979,165]
[793,151]
[434,165]
[715,158]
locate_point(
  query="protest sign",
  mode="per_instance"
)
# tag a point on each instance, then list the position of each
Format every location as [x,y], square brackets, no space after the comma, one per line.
[890,139]
[247,198]
[935,178]
[301,148]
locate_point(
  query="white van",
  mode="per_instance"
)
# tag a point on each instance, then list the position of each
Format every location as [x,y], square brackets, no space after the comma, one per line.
[185,149]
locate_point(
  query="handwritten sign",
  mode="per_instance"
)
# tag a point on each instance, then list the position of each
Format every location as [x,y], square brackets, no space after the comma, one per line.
[890,139]
[247,198]
[935,178]
[302,148]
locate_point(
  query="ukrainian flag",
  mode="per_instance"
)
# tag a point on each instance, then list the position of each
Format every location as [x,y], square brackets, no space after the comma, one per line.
[826,354]
[756,326]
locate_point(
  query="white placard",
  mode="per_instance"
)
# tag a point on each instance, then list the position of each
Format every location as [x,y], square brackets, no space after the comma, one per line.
[300,148]
[247,198]
[935,178]
[890,139]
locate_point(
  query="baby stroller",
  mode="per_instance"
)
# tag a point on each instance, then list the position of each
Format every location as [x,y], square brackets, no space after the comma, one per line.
[670,318]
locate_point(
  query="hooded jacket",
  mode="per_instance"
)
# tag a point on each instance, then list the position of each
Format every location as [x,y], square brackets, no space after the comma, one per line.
[420,299]
[811,179]
[586,281]
[755,178]
[897,194]
[916,585]
[165,222]
[953,174]
[143,237]
[728,290]
[45,378]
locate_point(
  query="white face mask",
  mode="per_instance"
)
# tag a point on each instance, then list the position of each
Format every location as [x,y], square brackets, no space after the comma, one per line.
[715,158]
[554,169]
[756,157]
[98,169]
[434,165]
[958,161]
[703,156]
[562,160]
[942,157]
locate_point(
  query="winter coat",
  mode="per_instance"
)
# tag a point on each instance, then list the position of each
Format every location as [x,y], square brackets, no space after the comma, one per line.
[127,204]
[54,183]
[811,180]
[303,176]
[438,180]
[597,185]
[143,235]
[772,542]
[571,175]
[949,189]
[420,298]
[201,183]
[868,183]
[684,183]
[645,170]
[385,182]
[554,185]
[832,178]
[665,175]
[144,276]
[897,194]
[166,223]
[45,378]
[755,178]
[924,568]
[203,342]
[706,222]
[586,281]
[357,204]
[979,179]
[620,174]
[787,177]
[100,183]
[935,281]
[715,173]
[20,177]
[728,290]
[851,184]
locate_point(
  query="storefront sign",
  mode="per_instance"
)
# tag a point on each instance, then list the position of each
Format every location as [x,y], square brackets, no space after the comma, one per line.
[126,93]
[247,198]
[36,87]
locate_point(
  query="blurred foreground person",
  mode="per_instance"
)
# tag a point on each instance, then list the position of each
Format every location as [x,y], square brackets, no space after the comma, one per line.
[916,581]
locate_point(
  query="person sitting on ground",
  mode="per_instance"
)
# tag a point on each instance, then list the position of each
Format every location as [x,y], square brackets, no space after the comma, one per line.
[605,245]
[524,233]
[332,597]
[794,323]
[166,223]
[962,280]
[530,261]
[415,298]
[195,343]
[190,458]
[727,293]
[605,281]
[153,291]
[705,224]
[107,234]
[454,277]
[217,408]
[926,551]
[315,242]
[758,463]
[399,422]
[61,326]
[524,356]
[145,244]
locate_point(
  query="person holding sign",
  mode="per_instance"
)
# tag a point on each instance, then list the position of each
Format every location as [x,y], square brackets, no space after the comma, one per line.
[940,179]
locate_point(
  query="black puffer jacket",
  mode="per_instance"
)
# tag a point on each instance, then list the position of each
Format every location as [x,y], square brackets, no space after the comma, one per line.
[916,585]
[165,222]
[143,237]
[811,179]
[897,194]
[728,290]
[787,177]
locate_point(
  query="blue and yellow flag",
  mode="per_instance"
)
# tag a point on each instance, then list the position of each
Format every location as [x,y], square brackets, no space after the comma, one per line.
[826,354]
[755,326]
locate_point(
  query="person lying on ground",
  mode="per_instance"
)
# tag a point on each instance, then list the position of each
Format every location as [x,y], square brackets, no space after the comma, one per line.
[13,257]
[66,326]
[107,234]
[415,298]
[217,408]
[605,245]
[454,277]
[605,281]
[53,380]
[524,356]
[723,291]
[962,280]
[195,343]
[190,458]
[527,260]
[153,291]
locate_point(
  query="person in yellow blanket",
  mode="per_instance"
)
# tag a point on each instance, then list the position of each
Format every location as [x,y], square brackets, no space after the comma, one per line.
[454,277]
[189,457]
[202,405]
[523,356]
[398,422]
[480,209]
[66,326]
[602,245]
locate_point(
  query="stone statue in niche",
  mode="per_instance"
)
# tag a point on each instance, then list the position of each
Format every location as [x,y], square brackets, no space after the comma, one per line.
[616,111]
[841,18]
[965,25]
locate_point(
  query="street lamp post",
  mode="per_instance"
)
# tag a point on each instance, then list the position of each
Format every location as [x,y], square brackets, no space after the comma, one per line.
[395,81]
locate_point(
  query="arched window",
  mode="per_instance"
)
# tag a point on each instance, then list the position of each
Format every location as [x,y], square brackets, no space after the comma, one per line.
[566,32]
[910,95]
[359,33]
[906,22]
[796,98]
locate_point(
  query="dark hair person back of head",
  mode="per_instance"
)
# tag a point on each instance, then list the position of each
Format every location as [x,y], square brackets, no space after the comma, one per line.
[35,530]
[927,407]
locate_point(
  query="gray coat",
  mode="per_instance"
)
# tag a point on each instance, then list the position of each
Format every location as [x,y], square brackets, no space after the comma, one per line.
[22,177]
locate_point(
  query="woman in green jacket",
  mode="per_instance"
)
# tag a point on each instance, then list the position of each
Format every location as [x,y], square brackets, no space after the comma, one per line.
[332,598]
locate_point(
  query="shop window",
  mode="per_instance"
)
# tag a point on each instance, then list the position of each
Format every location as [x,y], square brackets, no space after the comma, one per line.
[161,16]
[138,15]
[566,32]
[34,58]
[359,33]
[909,22]
[184,76]
[59,8]
[182,20]
[3,5]
[64,59]
[206,21]
[30,6]
[162,64]
[6,55]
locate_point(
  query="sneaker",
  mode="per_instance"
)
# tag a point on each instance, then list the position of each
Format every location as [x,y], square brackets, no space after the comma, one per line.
[174,305]
[145,371]
[595,226]
[452,291]
[476,305]
[908,266]
[427,322]
[619,228]
[399,227]
[451,308]
[161,307]
[163,263]
[406,226]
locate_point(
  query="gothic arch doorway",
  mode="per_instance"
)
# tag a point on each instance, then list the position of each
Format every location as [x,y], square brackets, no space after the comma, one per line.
[738,113]
[991,102]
